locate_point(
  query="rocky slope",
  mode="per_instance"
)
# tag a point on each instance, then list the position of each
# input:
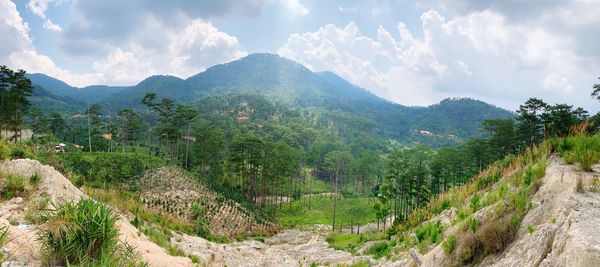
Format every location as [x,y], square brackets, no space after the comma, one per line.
[23,248]
[561,228]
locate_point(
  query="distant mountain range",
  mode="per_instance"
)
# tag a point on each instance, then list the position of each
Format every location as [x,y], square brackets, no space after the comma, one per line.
[286,81]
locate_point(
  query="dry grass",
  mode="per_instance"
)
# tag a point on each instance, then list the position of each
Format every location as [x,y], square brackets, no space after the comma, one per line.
[496,234]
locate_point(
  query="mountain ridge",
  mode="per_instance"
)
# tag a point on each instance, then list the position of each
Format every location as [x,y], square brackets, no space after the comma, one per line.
[282,80]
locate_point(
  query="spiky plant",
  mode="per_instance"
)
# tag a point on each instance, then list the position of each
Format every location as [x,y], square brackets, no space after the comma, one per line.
[83,233]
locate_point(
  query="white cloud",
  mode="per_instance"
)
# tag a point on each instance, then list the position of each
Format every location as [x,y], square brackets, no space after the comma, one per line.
[294,8]
[39,8]
[557,82]
[480,54]
[155,48]
[18,51]
[49,25]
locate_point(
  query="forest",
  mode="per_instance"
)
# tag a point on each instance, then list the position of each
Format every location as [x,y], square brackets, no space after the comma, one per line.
[257,150]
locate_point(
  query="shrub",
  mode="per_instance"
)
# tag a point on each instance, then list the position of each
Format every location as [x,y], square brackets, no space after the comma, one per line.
[84,233]
[449,244]
[17,153]
[569,157]
[34,179]
[78,181]
[586,158]
[4,150]
[468,247]
[496,234]
[13,186]
[530,229]
[379,250]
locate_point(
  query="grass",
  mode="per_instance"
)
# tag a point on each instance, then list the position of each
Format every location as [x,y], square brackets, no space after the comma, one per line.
[449,244]
[3,240]
[34,179]
[84,233]
[379,250]
[357,210]
[351,242]
[581,149]
[12,186]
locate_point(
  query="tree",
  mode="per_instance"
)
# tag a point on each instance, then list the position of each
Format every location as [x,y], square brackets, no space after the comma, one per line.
[95,127]
[531,126]
[57,125]
[337,163]
[6,75]
[596,90]
[129,124]
[15,88]
[40,124]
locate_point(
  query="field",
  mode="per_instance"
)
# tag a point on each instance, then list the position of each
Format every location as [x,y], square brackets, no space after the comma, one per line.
[357,210]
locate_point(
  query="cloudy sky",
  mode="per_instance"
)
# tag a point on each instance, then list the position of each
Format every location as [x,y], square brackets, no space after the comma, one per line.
[410,52]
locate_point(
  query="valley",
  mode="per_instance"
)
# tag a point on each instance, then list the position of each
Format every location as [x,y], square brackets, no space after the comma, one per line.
[262,162]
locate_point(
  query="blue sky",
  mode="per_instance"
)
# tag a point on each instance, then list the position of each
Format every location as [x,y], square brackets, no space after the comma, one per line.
[410,52]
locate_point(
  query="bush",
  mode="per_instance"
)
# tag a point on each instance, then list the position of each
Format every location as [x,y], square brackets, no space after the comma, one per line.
[4,150]
[84,233]
[496,234]
[449,244]
[468,247]
[586,159]
[17,153]
[13,186]
[379,250]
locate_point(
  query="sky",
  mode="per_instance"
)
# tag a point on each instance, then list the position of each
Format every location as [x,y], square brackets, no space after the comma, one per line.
[409,52]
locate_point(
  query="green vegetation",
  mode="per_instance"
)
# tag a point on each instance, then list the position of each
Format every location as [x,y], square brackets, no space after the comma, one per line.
[103,167]
[3,240]
[580,148]
[12,186]
[84,233]
[352,211]
[351,242]
[378,250]
[449,244]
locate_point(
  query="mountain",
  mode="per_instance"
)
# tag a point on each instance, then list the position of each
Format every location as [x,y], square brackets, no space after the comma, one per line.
[50,102]
[88,94]
[282,80]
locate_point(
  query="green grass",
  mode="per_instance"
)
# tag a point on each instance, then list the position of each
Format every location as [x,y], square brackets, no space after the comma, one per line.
[3,240]
[12,186]
[381,249]
[357,209]
[351,242]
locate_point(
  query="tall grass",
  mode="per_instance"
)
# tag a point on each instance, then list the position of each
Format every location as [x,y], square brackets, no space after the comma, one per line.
[581,149]
[3,240]
[85,234]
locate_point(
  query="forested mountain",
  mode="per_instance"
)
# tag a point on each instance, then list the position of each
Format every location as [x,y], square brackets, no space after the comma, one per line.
[88,94]
[324,95]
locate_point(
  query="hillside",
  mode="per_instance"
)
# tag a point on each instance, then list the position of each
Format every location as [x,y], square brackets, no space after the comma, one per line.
[289,83]
[88,94]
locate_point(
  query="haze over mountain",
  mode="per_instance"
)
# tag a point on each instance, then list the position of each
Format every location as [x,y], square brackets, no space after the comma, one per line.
[282,80]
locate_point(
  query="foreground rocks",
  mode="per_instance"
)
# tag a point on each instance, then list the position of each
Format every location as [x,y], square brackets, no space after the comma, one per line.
[290,247]
[23,247]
